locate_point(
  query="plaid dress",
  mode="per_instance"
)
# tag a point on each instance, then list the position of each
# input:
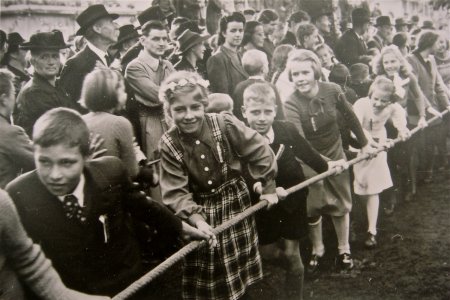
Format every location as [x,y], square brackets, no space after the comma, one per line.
[234,264]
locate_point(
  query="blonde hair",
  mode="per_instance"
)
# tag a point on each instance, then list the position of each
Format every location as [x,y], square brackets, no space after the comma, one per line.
[384,84]
[301,55]
[260,92]
[99,92]
[377,62]
[178,84]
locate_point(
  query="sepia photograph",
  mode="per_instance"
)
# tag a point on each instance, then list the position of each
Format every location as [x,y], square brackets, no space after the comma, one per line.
[224,149]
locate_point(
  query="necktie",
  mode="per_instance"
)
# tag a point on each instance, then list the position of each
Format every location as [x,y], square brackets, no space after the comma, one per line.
[160,73]
[72,209]
[108,59]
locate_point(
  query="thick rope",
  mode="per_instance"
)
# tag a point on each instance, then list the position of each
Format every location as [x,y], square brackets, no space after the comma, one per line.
[194,245]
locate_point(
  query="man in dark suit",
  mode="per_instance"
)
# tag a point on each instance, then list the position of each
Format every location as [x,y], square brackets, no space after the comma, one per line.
[383,36]
[100,31]
[351,47]
[80,211]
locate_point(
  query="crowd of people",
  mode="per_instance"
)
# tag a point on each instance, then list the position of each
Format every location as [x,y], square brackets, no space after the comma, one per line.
[121,146]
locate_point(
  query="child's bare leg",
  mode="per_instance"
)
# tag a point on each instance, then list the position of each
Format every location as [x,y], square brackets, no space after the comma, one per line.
[373,203]
[295,271]
[315,235]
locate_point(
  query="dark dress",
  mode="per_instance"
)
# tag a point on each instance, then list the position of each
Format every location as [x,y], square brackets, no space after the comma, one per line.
[316,120]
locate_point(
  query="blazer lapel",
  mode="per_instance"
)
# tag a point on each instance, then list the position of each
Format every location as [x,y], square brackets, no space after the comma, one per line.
[234,64]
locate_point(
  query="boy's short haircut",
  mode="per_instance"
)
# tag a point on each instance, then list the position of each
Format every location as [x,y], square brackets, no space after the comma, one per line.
[260,92]
[254,61]
[359,70]
[6,81]
[219,102]
[61,126]
[305,30]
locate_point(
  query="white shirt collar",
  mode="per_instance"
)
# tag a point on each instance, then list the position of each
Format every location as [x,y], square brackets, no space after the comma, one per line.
[100,53]
[270,135]
[78,192]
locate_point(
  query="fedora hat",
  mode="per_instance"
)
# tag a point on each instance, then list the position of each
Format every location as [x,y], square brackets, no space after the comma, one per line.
[401,22]
[45,40]
[126,32]
[153,13]
[191,25]
[428,25]
[360,16]
[14,41]
[383,21]
[189,39]
[92,14]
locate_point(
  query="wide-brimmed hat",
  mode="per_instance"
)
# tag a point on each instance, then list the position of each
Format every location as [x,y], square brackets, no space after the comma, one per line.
[92,14]
[153,13]
[360,16]
[46,40]
[15,39]
[428,25]
[126,32]
[191,25]
[383,21]
[401,22]
[189,39]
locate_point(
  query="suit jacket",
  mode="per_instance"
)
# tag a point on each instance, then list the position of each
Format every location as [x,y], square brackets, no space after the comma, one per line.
[224,72]
[289,39]
[74,71]
[16,152]
[430,81]
[37,97]
[79,252]
[131,54]
[376,42]
[349,48]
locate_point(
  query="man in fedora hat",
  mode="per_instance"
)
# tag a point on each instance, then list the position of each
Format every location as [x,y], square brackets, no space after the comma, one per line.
[100,31]
[152,13]
[383,36]
[401,25]
[43,92]
[191,50]
[128,36]
[351,47]
[15,60]
[144,75]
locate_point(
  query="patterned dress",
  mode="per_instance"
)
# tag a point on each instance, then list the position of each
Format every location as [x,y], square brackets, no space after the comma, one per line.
[219,194]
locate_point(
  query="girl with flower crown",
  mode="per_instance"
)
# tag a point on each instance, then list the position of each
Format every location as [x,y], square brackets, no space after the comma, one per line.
[202,159]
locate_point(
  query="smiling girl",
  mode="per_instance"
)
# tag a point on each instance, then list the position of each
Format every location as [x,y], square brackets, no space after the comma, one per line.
[202,158]
[373,176]
[313,109]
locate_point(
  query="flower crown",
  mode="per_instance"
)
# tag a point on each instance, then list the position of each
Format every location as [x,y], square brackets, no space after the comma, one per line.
[172,86]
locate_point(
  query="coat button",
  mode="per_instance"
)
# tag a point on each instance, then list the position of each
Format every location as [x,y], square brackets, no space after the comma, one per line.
[206,169]
[213,190]
[197,142]
[202,156]
[209,182]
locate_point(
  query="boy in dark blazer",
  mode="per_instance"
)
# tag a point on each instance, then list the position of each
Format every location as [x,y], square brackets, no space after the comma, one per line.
[288,219]
[80,211]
